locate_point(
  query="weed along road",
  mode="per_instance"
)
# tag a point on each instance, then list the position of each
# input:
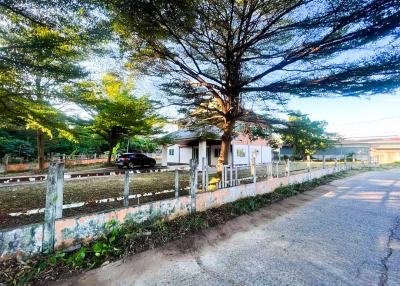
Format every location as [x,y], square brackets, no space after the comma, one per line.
[344,233]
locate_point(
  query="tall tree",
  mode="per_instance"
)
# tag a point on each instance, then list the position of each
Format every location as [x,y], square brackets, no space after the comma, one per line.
[223,56]
[118,113]
[41,44]
[305,136]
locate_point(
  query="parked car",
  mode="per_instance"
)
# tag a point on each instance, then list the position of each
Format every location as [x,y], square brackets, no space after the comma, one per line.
[131,160]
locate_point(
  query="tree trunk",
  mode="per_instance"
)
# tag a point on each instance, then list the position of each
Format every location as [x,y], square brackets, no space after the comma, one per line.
[226,140]
[40,149]
[110,153]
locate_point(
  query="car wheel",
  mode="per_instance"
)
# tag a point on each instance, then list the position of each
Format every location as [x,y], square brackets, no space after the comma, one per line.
[131,165]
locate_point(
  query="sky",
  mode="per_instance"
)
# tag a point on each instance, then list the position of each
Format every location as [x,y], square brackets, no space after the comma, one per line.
[377,115]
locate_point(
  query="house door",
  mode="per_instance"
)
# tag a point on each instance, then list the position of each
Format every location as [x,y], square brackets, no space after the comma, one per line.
[195,154]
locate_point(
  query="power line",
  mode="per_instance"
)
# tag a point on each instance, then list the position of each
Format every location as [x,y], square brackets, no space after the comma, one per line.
[368,121]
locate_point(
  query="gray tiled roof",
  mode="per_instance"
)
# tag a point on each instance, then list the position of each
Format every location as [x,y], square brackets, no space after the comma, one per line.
[204,132]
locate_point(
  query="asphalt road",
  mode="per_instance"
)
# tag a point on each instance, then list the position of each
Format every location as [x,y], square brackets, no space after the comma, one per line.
[345,233]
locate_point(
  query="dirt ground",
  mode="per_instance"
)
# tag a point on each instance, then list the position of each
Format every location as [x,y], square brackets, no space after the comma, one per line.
[25,197]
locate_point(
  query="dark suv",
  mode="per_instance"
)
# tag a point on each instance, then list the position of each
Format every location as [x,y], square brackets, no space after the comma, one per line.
[131,160]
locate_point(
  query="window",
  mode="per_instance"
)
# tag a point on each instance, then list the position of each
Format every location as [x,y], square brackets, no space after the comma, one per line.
[171,152]
[217,152]
[240,152]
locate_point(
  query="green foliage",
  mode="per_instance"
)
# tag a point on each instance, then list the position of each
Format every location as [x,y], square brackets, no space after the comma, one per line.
[23,143]
[38,56]
[118,113]
[143,144]
[42,46]
[304,135]
[16,147]
[219,59]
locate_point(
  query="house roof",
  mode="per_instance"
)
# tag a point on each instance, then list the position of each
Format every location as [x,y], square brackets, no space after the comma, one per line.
[371,140]
[201,133]
[211,133]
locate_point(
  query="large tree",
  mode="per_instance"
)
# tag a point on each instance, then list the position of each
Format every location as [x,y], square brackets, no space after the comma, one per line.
[305,136]
[223,56]
[117,112]
[41,46]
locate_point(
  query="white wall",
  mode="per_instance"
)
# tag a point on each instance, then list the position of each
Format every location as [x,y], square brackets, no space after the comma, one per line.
[173,158]
[238,160]
[256,149]
[214,160]
[266,154]
[186,155]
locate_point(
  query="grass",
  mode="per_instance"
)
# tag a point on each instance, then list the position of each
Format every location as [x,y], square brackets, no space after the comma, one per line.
[26,197]
[33,196]
[130,238]
[68,168]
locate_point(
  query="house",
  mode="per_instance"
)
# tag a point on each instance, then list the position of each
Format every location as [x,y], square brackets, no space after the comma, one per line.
[187,144]
[385,149]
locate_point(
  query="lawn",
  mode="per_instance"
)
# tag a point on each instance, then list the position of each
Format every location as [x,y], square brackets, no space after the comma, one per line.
[32,196]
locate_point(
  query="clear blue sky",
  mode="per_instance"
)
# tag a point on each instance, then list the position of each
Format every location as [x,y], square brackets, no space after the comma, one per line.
[354,116]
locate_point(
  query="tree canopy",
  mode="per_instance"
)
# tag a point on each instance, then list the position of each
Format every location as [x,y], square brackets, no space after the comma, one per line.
[305,136]
[42,45]
[221,57]
[118,113]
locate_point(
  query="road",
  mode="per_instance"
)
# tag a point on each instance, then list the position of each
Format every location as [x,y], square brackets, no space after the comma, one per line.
[345,233]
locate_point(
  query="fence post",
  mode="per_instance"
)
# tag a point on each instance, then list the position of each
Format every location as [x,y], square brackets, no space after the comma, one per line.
[193,185]
[60,190]
[323,162]
[203,174]
[126,189]
[6,164]
[52,205]
[176,183]
[288,170]
[236,176]
[277,169]
[230,175]
[270,166]
[223,177]
[206,178]
[254,169]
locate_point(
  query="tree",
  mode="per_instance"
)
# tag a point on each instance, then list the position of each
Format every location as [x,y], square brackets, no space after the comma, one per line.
[143,144]
[118,114]
[224,56]
[305,136]
[42,43]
